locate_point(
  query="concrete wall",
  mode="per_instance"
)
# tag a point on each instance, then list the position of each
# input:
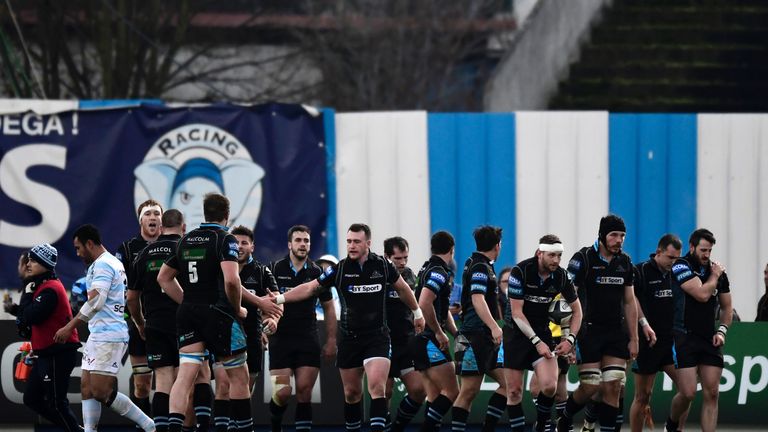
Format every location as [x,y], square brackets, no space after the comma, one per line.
[548,41]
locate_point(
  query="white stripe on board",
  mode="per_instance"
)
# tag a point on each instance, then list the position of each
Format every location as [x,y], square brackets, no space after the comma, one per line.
[562,178]
[732,199]
[382,178]
[42,107]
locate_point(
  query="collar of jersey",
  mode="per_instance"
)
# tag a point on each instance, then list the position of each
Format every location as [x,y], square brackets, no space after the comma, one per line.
[213,225]
[599,255]
[295,272]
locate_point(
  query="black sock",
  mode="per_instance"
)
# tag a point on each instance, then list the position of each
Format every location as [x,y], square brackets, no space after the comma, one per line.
[671,425]
[543,410]
[144,405]
[591,411]
[276,417]
[352,416]
[607,417]
[241,414]
[493,413]
[571,409]
[378,410]
[620,415]
[160,411]
[303,421]
[516,417]
[201,401]
[175,422]
[559,407]
[434,412]
[405,412]
[221,415]
[459,421]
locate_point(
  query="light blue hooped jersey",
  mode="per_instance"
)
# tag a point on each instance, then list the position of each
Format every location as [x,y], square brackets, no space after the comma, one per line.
[107,276]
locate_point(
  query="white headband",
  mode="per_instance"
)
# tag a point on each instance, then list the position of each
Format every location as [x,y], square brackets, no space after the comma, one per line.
[141,211]
[557,247]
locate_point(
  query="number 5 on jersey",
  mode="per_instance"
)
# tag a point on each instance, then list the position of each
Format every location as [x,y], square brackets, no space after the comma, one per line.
[192,271]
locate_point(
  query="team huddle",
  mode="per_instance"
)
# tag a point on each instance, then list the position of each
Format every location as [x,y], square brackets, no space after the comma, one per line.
[200,306]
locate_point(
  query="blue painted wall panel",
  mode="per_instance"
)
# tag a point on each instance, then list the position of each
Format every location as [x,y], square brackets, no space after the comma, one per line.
[653,177]
[472,177]
[329,123]
[681,185]
[501,182]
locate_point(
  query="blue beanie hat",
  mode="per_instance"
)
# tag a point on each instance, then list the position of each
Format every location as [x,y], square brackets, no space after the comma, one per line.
[45,255]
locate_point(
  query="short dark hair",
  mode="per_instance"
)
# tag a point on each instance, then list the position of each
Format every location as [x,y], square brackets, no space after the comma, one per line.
[86,232]
[394,242]
[172,218]
[215,207]
[442,242]
[243,230]
[670,239]
[149,202]
[297,228]
[486,237]
[550,239]
[699,234]
[357,227]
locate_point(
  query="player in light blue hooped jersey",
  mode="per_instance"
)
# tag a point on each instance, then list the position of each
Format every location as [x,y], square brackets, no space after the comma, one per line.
[106,277]
[108,340]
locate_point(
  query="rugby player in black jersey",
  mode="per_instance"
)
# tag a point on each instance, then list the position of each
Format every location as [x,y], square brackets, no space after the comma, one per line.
[655,308]
[477,345]
[257,283]
[400,323]
[698,285]
[603,276]
[154,312]
[363,342]
[149,213]
[294,349]
[528,344]
[431,348]
[205,265]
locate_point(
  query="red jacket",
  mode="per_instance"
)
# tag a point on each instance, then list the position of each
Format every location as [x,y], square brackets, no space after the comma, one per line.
[43,330]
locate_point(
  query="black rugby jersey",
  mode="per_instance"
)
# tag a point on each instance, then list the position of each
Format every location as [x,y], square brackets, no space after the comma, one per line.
[159,309]
[436,276]
[300,317]
[526,284]
[128,251]
[601,285]
[198,262]
[399,316]
[691,315]
[362,292]
[257,279]
[653,289]
[479,277]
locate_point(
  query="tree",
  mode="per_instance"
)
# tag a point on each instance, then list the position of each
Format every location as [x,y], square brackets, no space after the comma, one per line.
[123,48]
[401,54]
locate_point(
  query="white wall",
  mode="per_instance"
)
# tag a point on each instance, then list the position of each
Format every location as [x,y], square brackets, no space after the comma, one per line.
[382,178]
[732,199]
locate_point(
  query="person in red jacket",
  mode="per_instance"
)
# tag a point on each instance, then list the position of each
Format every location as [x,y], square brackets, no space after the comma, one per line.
[45,308]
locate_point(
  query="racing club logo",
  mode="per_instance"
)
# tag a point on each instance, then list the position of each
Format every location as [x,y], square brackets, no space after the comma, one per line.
[191,161]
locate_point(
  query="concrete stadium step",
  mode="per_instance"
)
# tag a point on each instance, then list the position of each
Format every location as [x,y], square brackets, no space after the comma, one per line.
[671,71]
[656,104]
[678,56]
[606,54]
[673,89]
